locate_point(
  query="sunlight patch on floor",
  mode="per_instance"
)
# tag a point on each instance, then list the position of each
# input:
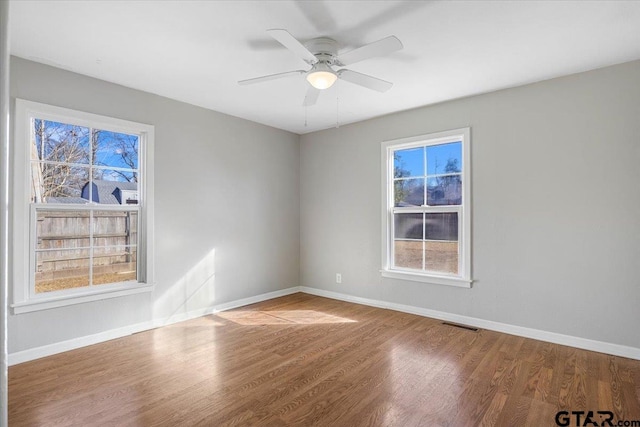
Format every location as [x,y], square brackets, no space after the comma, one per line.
[282,317]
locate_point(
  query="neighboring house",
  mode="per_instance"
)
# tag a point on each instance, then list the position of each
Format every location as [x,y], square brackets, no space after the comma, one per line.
[68,200]
[447,193]
[112,192]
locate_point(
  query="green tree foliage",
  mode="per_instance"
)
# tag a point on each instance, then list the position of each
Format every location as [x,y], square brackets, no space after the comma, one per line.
[452,166]
[451,183]
[400,190]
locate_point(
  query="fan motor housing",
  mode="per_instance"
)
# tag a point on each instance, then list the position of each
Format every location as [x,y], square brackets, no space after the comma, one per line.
[324,48]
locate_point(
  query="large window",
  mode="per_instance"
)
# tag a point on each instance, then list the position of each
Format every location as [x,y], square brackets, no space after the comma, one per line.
[85,205]
[426,208]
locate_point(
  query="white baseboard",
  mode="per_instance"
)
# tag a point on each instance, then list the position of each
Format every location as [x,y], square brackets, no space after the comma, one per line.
[583,343]
[60,347]
[224,306]
[568,340]
[258,298]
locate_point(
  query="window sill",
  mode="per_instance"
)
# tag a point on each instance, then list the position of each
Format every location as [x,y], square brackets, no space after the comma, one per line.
[45,303]
[425,278]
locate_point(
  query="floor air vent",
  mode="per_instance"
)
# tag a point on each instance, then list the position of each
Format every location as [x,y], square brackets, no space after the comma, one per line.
[456,325]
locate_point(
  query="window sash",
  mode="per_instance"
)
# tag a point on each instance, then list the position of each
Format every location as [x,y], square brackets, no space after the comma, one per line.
[35,208]
[426,210]
[90,166]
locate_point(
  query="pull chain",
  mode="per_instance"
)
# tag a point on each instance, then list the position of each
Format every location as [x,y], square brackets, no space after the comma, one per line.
[337,106]
[305,115]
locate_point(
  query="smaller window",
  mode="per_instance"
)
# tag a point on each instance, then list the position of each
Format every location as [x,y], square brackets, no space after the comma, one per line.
[426,215]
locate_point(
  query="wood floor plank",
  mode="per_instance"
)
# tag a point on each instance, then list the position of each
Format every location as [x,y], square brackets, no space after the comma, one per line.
[304,360]
[541,414]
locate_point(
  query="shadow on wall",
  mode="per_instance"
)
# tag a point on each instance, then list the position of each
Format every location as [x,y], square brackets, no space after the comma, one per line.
[195,290]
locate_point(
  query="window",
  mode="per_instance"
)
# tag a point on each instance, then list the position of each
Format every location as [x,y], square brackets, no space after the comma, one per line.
[84,199]
[426,208]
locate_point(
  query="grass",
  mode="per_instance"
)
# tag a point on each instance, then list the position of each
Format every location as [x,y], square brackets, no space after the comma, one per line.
[439,256]
[83,281]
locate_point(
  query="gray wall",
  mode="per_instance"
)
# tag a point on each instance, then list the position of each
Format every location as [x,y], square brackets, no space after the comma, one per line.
[555,177]
[556,206]
[226,196]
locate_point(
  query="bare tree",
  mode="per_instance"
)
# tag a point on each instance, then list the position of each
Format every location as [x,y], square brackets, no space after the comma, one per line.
[62,151]
[400,191]
[121,148]
[65,158]
[451,183]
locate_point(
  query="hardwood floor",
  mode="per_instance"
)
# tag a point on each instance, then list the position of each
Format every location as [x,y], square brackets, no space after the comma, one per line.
[304,360]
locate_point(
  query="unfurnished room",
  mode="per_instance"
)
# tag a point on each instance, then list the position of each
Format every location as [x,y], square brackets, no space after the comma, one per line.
[319,213]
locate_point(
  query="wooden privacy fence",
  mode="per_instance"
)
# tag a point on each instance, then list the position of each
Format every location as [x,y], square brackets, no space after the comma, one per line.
[63,245]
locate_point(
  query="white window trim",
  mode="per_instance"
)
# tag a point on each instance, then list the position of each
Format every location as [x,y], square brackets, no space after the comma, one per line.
[22,210]
[463,280]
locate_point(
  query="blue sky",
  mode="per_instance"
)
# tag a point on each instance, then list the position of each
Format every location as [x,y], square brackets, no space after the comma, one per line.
[110,150]
[412,160]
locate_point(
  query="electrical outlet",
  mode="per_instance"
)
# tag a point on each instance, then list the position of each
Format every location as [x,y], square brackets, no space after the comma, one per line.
[338,278]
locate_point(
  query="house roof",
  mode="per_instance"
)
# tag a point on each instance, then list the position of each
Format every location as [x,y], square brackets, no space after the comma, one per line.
[107,191]
[68,200]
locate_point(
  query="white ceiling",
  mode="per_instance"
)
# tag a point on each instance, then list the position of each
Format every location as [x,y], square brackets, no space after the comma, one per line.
[196,51]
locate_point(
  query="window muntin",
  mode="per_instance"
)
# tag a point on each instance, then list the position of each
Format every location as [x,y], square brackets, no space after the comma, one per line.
[83,246]
[427,222]
[85,203]
[82,168]
[428,175]
[66,159]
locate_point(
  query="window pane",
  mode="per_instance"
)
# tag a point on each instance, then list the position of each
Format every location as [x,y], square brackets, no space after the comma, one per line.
[441,257]
[63,269]
[408,226]
[114,264]
[114,228]
[133,227]
[444,158]
[444,190]
[58,183]
[408,192]
[66,145]
[441,226]
[116,150]
[115,250]
[408,162]
[113,187]
[408,254]
[60,142]
[62,230]
[115,175]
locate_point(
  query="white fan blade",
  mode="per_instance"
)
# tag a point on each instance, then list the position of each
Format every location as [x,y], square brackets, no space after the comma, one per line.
[291,43]
[380,48]
[311,97]
[364,80]
[270,77]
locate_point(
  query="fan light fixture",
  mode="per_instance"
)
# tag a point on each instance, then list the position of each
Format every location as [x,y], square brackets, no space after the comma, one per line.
[322,76]
[322,54]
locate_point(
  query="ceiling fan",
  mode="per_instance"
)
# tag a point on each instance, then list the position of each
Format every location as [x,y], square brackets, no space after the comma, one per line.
[322,54]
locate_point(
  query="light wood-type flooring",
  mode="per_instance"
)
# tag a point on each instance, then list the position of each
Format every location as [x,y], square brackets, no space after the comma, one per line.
[303,360]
